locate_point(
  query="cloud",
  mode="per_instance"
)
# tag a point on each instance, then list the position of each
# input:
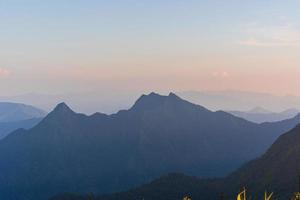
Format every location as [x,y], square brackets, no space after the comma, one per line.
[222,74]
[261,43]
[4,72]
[285,34]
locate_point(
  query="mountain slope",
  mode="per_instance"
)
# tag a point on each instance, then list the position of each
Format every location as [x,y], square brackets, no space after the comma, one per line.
[10,112]
[173,186]
[70,152]
[8,127]
[277,171]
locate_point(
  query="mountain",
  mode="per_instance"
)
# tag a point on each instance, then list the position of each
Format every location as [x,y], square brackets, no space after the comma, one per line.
[240,100]
[8,127]
[259,110]
[275,171]
[106,101]
[71,152]
[15,115]
[260,115]
[173,186]
[13,112]
[110,101]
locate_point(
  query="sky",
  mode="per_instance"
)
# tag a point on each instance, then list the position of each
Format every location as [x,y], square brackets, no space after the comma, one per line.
[67,46]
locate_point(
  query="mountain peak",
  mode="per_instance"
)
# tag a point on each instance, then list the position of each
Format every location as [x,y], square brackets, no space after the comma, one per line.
[62,107]
[259,110]
[173,95]
[61,113]
[153,100]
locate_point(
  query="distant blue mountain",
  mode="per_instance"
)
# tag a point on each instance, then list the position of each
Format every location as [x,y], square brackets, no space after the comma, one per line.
[13,112]
[15,115]
[258,115]
[8,127]
[71,152]
[240,100]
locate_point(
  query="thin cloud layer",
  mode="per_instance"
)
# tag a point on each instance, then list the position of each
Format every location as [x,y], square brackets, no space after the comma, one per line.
[220,74]
[4,72]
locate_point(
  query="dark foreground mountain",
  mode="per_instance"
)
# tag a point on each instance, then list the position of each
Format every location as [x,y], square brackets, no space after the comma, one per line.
[277,171]
[8,127]
[174,186]
[13,112]
[70,152]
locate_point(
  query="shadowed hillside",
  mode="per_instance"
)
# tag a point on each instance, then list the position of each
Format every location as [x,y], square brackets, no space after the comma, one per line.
[277,171]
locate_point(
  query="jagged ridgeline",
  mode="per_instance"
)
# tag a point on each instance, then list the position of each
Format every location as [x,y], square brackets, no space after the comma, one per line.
[74,153]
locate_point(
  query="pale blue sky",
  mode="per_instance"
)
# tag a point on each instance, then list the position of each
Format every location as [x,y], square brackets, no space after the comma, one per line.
[63,46]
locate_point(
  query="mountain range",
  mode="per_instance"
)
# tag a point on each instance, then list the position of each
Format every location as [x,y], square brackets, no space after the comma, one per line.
[110,101]
[15,115]
[7,127]
[260,115]
[71,152]
[241,100]
[104,101]
[12,112]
